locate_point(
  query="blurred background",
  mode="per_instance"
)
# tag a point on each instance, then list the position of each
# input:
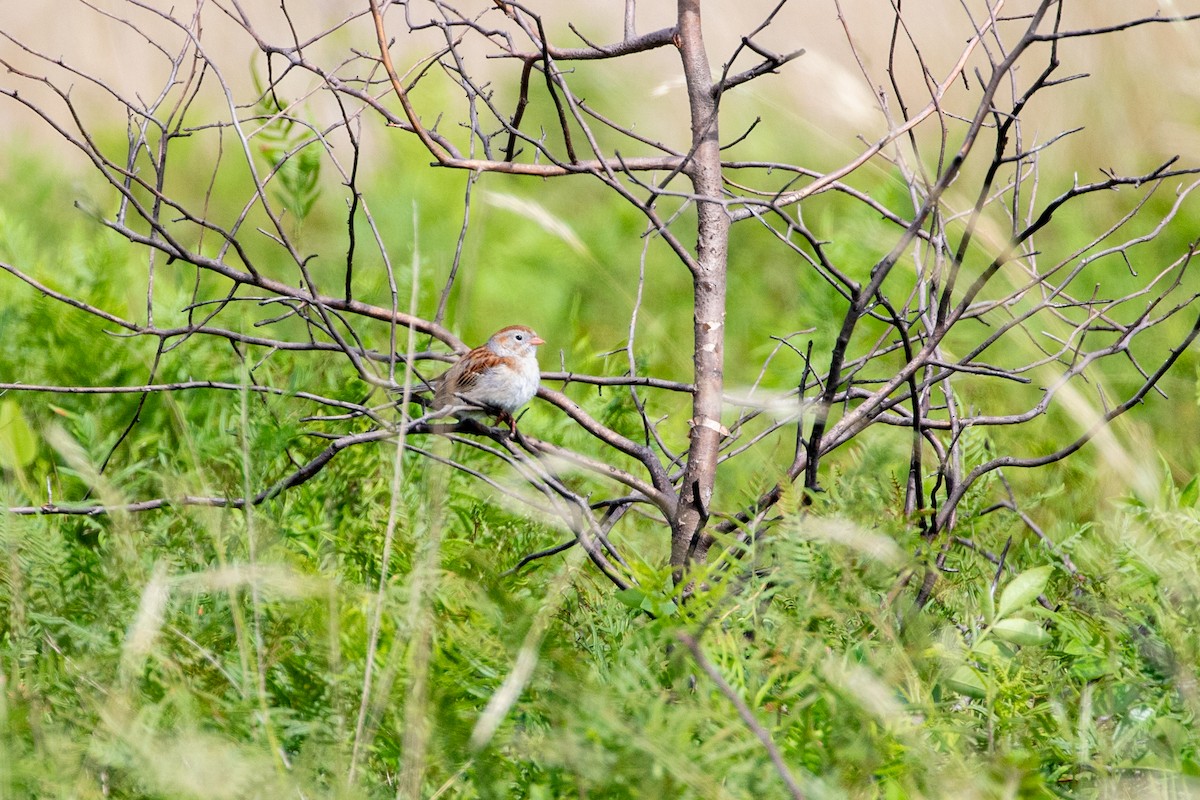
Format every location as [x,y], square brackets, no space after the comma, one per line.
[530,254]
[266,692]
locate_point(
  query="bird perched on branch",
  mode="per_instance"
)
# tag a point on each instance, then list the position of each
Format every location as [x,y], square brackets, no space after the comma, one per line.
[496,378]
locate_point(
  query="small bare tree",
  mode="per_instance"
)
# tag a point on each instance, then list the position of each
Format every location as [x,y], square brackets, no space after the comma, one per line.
[964,298]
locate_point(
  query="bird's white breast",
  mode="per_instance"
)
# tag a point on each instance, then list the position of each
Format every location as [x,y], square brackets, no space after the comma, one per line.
[511,388]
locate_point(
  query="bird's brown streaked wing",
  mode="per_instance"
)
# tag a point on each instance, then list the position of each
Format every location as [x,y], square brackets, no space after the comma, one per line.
[456,380]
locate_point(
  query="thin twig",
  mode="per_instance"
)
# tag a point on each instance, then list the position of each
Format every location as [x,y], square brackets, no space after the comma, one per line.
[781,767]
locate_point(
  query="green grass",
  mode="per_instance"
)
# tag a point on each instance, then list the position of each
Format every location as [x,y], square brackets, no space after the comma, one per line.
[214,653]
[153,657]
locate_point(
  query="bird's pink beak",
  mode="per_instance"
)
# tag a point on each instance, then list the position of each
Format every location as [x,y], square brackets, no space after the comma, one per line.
[537,340]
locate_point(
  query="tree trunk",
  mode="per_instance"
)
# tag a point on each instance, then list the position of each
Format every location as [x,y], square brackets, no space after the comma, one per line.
[712,244]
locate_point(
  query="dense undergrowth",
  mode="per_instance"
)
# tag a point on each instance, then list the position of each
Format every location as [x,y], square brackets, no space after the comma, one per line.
[157,656]
[195,652]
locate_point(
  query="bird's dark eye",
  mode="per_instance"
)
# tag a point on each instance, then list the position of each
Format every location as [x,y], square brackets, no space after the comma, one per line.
[520,337]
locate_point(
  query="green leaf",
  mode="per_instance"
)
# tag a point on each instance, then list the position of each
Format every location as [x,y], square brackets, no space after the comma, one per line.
[18,445]
[1023,590]
[1021,631]
[990,650]
[989,607]
[660,607]
[1190,493]
[632,597]
[656,604]
[1090,668]
[965,680]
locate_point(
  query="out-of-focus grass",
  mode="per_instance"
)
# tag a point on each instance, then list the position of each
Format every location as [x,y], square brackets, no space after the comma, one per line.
[152,656]
[137,664]
[128,674]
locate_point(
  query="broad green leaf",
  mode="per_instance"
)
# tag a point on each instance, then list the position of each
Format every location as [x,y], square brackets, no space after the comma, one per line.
[657,605]
[990,648]
[1023,589]
[965,680]
[18,445]
[1021,631]
[1090,668]
[660,607]
[1190,493]
[632,597]
[989,607]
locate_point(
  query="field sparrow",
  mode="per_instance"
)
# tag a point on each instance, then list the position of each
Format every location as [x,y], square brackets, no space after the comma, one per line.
[499,377]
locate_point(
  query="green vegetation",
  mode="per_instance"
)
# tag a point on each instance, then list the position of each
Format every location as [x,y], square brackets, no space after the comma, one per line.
[218,653]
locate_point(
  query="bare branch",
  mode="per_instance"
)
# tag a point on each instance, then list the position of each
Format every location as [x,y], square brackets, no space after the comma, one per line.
[744,712]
